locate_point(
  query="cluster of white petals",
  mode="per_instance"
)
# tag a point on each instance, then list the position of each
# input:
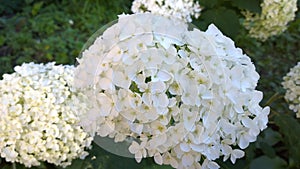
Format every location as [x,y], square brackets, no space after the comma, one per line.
[291,83]
[273,20]
[39,116]
[182,95]
[180,9]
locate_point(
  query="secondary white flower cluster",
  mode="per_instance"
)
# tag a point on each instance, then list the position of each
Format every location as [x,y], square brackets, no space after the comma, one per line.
[39,115]
[291,83]
[273,20]
[180,9]
[181,95]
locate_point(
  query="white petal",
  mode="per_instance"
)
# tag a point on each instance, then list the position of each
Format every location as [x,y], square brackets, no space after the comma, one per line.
[138,156]
[185,147]
[189,119]
[146,97]
[157,141]
[187,160]
[171,55]
[115,53]
[128,32]
[174,163]
[226,149]
[106,128]
[164,40]
[161,110]
[243,142]
[227,127]
[137,128]
[207,164]
[134,147]
[198,148]
[157,87]
[104,83]
[105,104]
[121,80]
[236,154]
[135,100]
[162,76]
[160,100]
[158,159]
[129,114]
[247,122]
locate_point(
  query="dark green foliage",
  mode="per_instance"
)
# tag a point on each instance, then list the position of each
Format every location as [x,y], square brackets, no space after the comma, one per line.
[220,17]
[264,162]
[43,31]
[225,14]
[253,6]
[290,129]
[56,30]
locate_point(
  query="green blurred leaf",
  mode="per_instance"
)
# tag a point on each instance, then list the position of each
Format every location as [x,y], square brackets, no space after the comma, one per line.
[36,8]
[7,167]
[80,164]
[24,59]
[2,40]
[5,64]
[265,162]
[8,6]
[208,3]
[29,1]
[250,152]
[159,167]
[20,166]
[252,5]
[225,19]
[267,149]
[239,164]
[271,137]
[289,127]
[42,166]
[266,140]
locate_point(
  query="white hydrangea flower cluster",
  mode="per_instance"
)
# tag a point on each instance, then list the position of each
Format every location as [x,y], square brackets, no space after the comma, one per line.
[181,95]
[39,114]
[180,9]
[273,20]
[291,83]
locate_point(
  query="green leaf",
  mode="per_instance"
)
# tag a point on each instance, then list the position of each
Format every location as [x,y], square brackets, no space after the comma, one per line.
[208,3]
[7,167]
[271,137]
[36,8]
[42,166]
[79,164]
[10,7]
[250,152]
[21,166]
[225,19]
[253,5]
[289,127]
[23,59]
[267,149]
[264,162]
[239,164]
[159,167]
[2,40]
[28,1]
[267,140]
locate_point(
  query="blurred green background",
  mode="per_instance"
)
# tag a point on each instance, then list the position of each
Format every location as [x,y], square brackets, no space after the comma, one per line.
[56,30]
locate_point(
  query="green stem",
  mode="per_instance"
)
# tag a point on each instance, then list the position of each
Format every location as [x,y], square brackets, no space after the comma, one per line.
[273,98]
[273,113]
[14,166]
